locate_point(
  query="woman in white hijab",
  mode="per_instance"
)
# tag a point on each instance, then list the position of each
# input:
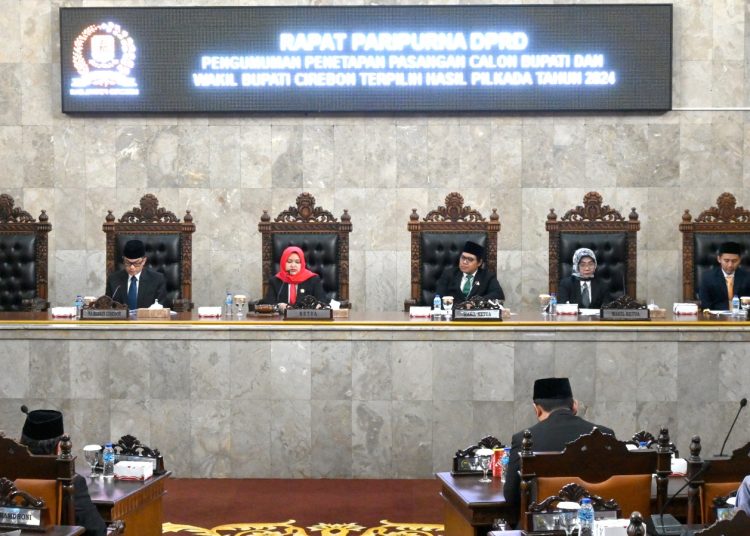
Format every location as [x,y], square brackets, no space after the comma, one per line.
[582,287]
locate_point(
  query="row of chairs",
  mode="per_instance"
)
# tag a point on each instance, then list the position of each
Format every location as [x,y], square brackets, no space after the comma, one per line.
[599,466]
[436,242]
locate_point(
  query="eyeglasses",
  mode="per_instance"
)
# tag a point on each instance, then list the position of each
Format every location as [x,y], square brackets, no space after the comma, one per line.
[586,264]
[135,264]
[468,260]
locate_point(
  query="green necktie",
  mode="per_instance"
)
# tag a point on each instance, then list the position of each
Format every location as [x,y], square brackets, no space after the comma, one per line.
[467,285]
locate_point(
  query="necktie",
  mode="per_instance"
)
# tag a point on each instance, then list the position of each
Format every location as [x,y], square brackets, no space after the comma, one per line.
[133,294]
[585,296]
[730,288]
[466,289]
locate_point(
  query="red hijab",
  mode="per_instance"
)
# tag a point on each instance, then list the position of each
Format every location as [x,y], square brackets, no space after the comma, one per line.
[293,280]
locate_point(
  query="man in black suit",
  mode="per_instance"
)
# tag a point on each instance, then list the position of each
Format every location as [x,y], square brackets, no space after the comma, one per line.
[42,433]
[137,285]
[720,285]
[470,278]
[556,410]
[582,287]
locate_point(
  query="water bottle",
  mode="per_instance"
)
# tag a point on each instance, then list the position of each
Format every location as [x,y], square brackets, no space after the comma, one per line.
[228,305]
[552,304]
[504,461]
[108,461]
[437,307]
[736,306]
[79,305]
[586,518]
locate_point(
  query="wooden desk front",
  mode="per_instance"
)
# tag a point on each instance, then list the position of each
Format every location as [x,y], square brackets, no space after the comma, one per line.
[138,504]
[55,530]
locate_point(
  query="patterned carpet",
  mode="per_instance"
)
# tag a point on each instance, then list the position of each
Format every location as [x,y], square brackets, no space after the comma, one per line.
[302,507]
[290,528]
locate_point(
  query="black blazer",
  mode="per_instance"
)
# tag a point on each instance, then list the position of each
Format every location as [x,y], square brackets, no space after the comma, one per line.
[278,291]
[151,286]
[713,289]
[569,291]
[485,284]
[551,434]
[87,516]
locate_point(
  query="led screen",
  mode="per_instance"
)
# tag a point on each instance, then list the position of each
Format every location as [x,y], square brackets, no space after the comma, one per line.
[367,59]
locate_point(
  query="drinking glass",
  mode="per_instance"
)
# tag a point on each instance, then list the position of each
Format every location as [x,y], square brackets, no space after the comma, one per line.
[239,303]
[448,305]
[745,303]
[544,302]
[484,456]
[91,454]
[568,517]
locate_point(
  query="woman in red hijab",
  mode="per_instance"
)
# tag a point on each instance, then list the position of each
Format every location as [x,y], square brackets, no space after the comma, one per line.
[294,281]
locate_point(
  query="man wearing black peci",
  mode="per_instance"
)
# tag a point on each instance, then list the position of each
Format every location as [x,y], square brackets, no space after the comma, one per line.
[723,282]
[556,410]
[470,278]
[42,433]
[137,285]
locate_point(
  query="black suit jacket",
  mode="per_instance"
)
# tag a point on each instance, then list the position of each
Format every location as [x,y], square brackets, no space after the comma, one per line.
[278,291]
[151,286]
[551,434]
[485,284]
[87,516]
[713,289]
[569,291]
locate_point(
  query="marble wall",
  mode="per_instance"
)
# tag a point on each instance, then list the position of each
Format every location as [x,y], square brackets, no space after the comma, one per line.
[226,170]
[362,402]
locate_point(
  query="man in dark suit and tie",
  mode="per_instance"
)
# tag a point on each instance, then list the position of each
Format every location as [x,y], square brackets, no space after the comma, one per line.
[720,285]
[556,410]
[137,285]
[470,278]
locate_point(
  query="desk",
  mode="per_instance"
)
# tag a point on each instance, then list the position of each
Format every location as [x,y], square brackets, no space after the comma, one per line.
[373,396]
[55,530]
[138,504]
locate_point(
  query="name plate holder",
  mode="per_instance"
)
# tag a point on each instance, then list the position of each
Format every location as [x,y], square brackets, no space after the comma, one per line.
[26,518]
[308,314]
[104,314]
[478,315]
[625,314]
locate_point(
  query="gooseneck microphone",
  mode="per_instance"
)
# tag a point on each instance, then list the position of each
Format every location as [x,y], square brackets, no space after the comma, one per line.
[115,292]
[743,403]
[665,525]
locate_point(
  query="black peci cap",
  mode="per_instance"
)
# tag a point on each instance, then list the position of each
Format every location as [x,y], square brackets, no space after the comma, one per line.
[552,389]
[733,248]
[474,249]
[42,423]
[134,249]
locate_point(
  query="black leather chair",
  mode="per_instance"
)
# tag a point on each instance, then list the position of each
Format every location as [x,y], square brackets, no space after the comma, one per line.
[702,236]
[169,246]
[613,239]
[23,258]
[323,239]
[437,241]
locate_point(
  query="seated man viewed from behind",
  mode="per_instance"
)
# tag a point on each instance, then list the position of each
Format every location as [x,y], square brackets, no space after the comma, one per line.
[470,278]
[743,496]
[137,285]
[582,287]
[723,282]
[556,410]
[293,281]
[42,433]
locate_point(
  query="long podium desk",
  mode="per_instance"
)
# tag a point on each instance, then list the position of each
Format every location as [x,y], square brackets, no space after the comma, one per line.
[377,395]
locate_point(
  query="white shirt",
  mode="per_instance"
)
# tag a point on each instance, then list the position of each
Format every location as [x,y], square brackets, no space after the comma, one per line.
[137,279]
[465,277]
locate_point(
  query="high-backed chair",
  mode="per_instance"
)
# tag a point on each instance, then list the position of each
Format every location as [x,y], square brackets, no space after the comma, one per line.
[713,478]
[47,477]
[702,236]
[168,241]
[601,464]
[323,239]
[613,239]
[23,258]
[572,492]
[437,240]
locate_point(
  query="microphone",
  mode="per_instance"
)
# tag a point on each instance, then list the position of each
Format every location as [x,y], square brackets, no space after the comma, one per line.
[743,403]
[115,292]
[665,525]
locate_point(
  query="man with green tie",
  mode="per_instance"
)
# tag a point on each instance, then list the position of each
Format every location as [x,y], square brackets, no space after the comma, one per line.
[470,278]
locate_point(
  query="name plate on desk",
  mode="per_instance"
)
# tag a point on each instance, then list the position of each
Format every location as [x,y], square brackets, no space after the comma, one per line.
[104,314]
[625,314]
[20,517]
[308,314]
[478,314]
